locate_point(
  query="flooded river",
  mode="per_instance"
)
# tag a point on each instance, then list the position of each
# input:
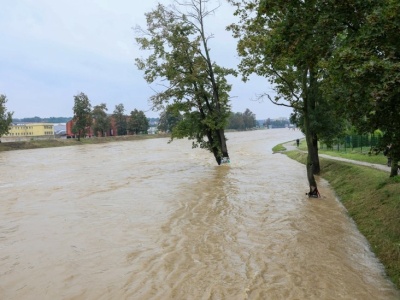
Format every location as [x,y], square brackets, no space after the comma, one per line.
[152,220]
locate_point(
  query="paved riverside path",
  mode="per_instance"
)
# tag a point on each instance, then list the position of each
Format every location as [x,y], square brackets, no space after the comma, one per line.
[292,146]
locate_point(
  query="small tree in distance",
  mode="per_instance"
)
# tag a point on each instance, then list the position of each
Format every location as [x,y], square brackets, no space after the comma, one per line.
[82,115]
[138,122]
[101,120]
[120,119]
[5,117]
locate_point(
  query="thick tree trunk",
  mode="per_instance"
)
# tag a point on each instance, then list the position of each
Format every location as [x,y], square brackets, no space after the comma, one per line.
[313,166]
[394,168]
[214,149]
[224,148]
[316,169]
[310,165]
[220,152]
[311,179]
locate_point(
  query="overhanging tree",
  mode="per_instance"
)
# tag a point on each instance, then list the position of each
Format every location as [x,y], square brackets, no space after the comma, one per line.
[193,85]
[5,116]
[285,41]
[82,115]
[364,71]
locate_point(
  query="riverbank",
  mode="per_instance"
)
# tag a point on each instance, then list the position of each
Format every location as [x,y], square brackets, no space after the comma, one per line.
[35,144]
[372,200]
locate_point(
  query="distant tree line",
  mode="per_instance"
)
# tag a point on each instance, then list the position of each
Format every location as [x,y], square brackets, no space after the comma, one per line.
[242,121]
[169,118]
[96,119]
[276,123]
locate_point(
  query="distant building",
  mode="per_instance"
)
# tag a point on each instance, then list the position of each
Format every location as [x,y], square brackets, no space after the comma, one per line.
[29,131]
[89,132]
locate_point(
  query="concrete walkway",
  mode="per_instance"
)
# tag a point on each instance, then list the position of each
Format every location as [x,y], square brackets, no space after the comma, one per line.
[292,146]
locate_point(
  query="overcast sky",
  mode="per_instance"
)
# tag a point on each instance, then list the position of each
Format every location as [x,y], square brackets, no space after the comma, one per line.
[51,50]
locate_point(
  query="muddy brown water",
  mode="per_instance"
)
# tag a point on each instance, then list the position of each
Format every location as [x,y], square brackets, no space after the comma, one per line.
[152,220]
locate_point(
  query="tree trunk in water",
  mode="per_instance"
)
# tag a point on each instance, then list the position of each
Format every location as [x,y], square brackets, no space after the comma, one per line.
[220,151]
[224,148]
[310,165]
[311,179]
[214,149]
[316,169]
[311,137]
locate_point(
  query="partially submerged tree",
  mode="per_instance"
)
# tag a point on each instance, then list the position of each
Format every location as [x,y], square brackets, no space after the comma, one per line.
[82,115]
[193,85]
[101,120]
[120,119]
[285,41]
[138,122]
[5,117]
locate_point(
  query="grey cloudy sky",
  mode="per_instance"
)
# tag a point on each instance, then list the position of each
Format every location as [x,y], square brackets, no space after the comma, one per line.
[51,50]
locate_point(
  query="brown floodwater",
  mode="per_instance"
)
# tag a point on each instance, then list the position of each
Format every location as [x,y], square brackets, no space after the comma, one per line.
[152,220]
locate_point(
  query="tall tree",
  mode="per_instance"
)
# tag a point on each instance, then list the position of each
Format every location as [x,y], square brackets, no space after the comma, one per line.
[364,71]
[5,117]
[285,41]
[196,86]
[120,119]
[82,115]
[138,122]
[101,119]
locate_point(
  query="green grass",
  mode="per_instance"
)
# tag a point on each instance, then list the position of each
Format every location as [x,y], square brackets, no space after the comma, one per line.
[372,199]
[278,148]
[354,154]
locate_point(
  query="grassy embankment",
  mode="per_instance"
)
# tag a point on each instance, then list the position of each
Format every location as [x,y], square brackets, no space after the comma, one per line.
[34,144]
[372,200]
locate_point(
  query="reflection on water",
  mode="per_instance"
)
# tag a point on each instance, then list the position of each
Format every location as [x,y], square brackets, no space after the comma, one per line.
[151,220]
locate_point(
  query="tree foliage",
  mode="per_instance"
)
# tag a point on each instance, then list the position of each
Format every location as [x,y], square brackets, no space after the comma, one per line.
[101,120]
[364,71]
[82,115]
[138,122]
[242,121]
[284,41]
[120,119]
[5,116]
[192,84]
